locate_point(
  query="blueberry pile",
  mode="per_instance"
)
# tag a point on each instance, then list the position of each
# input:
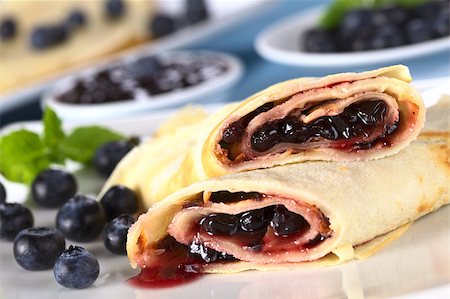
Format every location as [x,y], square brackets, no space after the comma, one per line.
[251,226]
[150,75]
[373,29]
[80,219]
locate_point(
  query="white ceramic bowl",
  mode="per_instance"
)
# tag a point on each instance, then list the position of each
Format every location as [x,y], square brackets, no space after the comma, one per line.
[212,90]
[280,43]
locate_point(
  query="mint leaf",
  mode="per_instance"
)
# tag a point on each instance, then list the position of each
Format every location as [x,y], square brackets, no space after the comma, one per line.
[334,13]
[53,132]
[22,156]
[82,143]
[53,135]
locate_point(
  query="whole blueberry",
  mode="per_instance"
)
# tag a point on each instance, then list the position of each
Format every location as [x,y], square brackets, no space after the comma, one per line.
[356,20]
[162,25]
[418,30]
[53,187]
[76,19]
[108,155]
[2,193]
[319,41]
[43,37]
[115,234]
[196,11]
[119,200]
[81,219]
[440,25]
[37,248]
[8,28]
[13,218]
[76,268]
[114,8]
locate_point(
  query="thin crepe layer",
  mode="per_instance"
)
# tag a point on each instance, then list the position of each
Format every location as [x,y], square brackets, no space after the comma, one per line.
[151,168]
[391,83]
[362,201]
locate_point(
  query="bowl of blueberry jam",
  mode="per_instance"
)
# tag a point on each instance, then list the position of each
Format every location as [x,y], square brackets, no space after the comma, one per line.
[144,83]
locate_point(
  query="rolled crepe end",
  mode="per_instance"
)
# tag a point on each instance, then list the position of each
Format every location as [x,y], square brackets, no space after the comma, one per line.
[235,143]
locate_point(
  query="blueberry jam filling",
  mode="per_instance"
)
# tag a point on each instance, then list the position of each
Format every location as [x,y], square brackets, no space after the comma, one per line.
[361,120]
[229,197]
[250,228]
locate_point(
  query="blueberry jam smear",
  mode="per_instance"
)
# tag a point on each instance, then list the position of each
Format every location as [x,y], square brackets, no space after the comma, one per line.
[358,121]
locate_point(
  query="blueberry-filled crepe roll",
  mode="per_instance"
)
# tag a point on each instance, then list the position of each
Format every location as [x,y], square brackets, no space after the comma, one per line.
[341,117]
[292,215]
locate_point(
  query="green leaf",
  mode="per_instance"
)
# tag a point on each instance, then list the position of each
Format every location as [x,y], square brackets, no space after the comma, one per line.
[82,143]
[53,132]
[22,156]
[53,135]
[334,13]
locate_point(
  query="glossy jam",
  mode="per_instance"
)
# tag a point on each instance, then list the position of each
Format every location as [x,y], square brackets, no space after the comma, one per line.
[359,120]
[250,228]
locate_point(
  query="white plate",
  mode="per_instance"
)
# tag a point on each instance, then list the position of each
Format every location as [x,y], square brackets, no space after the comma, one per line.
[281,43]
[223,14]
[417,265]
[216,88]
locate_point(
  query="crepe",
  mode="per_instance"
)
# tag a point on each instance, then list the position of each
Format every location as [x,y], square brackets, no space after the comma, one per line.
[199,159]
[342,210]
[342,117]
[20,65]
[344,203]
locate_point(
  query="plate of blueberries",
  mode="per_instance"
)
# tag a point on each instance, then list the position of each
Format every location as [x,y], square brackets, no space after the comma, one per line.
[329,37]
[144,82]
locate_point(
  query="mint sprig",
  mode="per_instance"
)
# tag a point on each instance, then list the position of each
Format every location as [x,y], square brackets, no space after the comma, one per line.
[23,154]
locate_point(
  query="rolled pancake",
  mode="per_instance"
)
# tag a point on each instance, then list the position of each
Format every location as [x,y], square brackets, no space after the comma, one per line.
[198,161]
[342,204]
[341,117]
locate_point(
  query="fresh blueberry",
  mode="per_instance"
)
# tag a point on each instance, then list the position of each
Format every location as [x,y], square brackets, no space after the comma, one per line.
[2,193]
[115,234]
[418,30]
[37,248]
[76,19]
[43,37]
[108,155]
[440,25]
[145,67]
[319,41]
[356,19]
[53,187]
[196,11]
[114,8]
[395,14]
[162,25]
[8,28]
[81,219]
[119,200]
[386,36]
[76,268]
[13,218]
